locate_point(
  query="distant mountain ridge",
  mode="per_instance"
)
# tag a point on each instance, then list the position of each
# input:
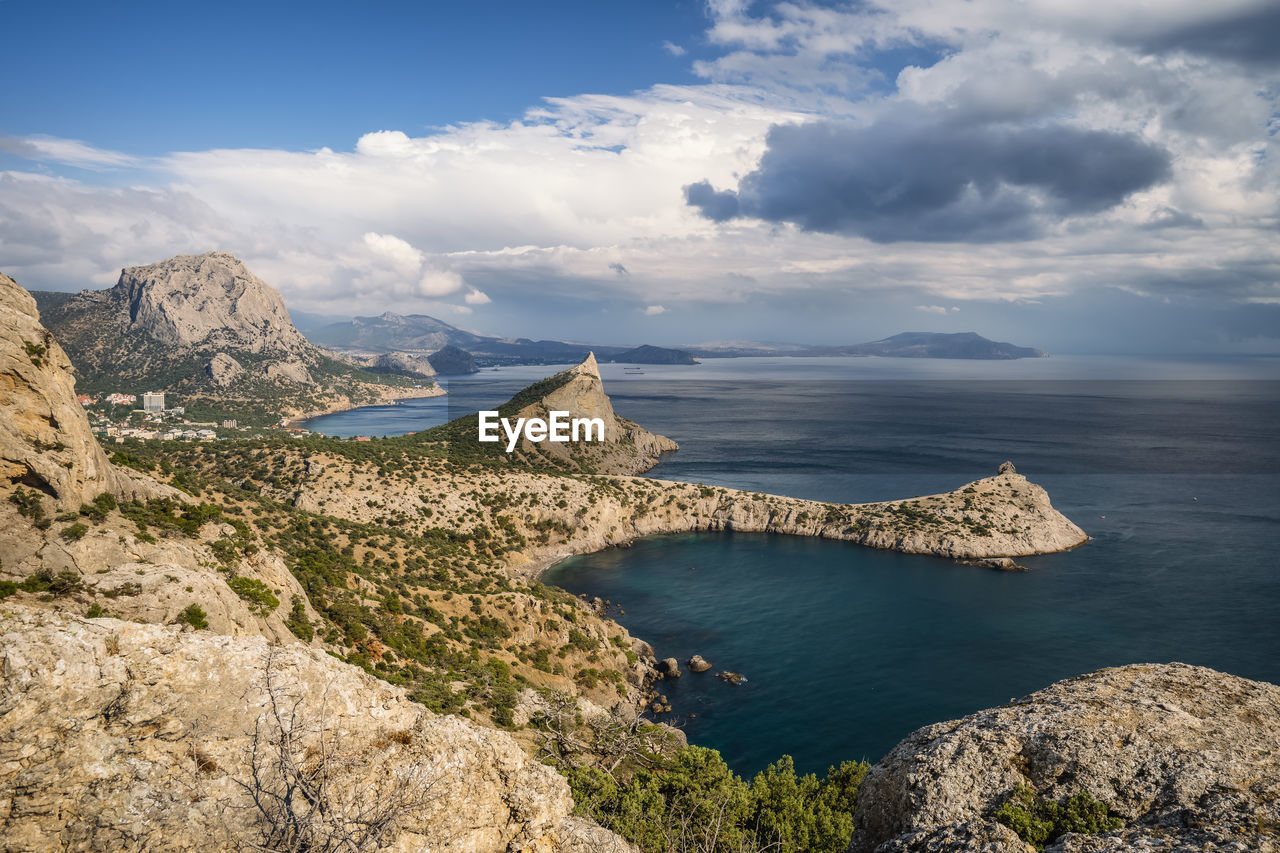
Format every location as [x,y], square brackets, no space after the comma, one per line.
[958,345]
[426,335]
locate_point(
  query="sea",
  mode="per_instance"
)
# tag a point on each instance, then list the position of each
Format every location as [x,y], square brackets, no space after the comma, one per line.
[1171,466]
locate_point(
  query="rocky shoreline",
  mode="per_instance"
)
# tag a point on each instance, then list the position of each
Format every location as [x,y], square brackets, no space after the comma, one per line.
[390,397]
[1005,498]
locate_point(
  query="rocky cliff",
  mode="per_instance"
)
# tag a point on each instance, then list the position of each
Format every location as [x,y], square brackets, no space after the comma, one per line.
[208,300]
[121,736]
[1185,758]
[45,441]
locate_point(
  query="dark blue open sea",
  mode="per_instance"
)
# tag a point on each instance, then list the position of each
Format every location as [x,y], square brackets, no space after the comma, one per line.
[1172,468]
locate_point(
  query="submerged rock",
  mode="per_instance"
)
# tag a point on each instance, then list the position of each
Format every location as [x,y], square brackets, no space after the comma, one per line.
[731,677]
[1003,564]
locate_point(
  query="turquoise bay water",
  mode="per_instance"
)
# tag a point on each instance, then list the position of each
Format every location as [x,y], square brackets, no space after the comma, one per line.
[1173,469]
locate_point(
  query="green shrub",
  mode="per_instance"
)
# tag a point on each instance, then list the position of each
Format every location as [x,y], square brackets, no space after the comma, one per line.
[64,582]
[194,616]
[695,801]
[298,622]
[1040,822]
[74,532]
[97,509]
[30,505]
[260,597]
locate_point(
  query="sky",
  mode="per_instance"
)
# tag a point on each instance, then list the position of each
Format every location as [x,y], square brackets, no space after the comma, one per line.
[1093,176]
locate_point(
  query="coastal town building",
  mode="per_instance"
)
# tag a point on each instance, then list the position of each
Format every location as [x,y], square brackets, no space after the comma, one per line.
[153,401]
[118,399]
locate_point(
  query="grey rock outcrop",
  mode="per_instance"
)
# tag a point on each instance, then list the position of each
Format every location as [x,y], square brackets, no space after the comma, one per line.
[698,663]
[45,440]
[669,667]
[115,735]
[404,363]
[1187,757]
[289,371]
[208,300]
[224,370]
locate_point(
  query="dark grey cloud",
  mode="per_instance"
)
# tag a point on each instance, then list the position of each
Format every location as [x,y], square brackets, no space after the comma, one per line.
[719,206]
[619,269]
[935,180]
[1249,36]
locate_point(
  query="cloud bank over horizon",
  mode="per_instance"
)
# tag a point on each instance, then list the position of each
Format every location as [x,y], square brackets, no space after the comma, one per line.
[837,172]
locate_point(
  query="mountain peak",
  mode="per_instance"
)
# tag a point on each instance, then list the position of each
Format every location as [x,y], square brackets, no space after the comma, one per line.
[587,367]
[207,300]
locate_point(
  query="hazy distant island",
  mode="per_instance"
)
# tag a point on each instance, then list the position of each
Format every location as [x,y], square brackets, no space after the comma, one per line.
[420,333]
[647,354]
[957,345]
[941,345]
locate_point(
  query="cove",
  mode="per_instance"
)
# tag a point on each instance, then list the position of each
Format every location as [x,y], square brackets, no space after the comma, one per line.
[847,649]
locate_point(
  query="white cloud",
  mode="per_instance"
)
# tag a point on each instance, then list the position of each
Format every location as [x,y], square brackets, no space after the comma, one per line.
[673,48]
[436,282]
[544,205]
[654,310]
[405,259]
[72,152]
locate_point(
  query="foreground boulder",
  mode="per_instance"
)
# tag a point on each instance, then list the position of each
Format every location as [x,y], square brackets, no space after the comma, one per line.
[121,736]
[1185,757]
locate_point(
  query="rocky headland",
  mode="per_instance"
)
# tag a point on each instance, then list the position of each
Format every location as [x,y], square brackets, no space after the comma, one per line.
[1182,757]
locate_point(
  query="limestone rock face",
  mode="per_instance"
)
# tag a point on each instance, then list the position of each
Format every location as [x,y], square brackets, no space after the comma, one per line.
[45,440]
[121,736]
[224,370]
[405,363]
[289,371]
[209,299]
[1188,757]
